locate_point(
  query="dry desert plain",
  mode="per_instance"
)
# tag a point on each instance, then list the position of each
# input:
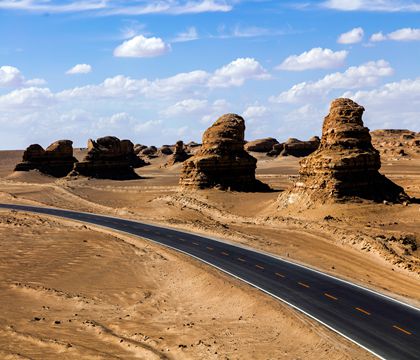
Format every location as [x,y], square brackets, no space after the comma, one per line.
[73,291]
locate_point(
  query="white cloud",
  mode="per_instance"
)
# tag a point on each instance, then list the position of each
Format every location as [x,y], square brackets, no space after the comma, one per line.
[351,37]
[186,106]
[189,35]
[11,76]
[26,98]
[405,34]
[237,72]
[372,5]
[379,36]
[80,69]
[316,58]
[394,104]
[255,111]
[140,46]
[119,7]
[354,77]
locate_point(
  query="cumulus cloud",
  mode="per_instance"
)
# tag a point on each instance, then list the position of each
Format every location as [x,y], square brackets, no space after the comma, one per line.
[186,106]
[394,104]
[353,36]
[354,77]
[405,34]
[32,97]
[11,76]
[255,111]
[237,72]
[141,46]
[316,58]
[372,5]
[79,69]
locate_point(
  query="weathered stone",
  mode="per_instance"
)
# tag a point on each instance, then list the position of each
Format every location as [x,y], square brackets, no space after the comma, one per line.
[108,158]
[57,160]
[179,155]
[150,151]
[138,148]
[345,166]
[261,145]
[298,148]
[222,161]
[165,150]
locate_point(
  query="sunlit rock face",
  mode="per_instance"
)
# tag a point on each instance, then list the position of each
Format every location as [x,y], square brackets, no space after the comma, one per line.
[222,161]
[345,165]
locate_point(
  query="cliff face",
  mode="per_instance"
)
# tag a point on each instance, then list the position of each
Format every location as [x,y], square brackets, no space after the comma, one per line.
[346,165]
[56,160]
[222,161]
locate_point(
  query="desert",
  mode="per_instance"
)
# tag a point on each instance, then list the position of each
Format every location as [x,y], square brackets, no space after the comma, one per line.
[86,292]
[209,179]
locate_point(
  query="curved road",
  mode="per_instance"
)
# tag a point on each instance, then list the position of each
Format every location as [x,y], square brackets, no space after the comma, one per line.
[385,327]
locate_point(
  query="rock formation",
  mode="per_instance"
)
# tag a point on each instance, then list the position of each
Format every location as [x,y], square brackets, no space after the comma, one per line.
[165,150]
[179,155]
[295,147]
[108,158]
[150,152]
[394,143]
[298,148]
[222,161]
[56,160]
[345,166]
[261,145]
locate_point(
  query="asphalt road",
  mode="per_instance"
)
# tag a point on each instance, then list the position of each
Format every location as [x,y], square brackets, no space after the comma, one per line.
[387,328]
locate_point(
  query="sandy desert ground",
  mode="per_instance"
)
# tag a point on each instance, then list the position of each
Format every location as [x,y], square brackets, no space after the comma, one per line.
[138,300]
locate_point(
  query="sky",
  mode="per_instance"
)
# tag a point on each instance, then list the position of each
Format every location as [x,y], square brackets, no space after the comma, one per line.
[158,71]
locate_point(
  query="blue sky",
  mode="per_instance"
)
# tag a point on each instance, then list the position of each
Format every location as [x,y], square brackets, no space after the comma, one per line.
[159,71]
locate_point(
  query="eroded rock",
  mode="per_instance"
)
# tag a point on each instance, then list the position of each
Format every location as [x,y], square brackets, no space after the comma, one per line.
[222,161]
[56,160]
[179,155]
[261,145]
[345,166]
[108,158]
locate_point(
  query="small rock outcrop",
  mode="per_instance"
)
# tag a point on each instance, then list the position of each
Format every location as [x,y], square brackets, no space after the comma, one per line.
[395,143]
[295,147]
[56,160]
[345,166]
[165,150]
[108,158]
[150,152]
[298,148]
[261,145]
[179,155]
[222,161]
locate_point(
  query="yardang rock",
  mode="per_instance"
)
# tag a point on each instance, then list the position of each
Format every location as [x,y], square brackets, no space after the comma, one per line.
[108,158]
[222,161]
[56,160]
[345,166]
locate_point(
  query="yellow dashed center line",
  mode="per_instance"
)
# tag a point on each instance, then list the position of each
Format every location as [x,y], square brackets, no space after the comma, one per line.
[171,236]
[303,284]
[157,232]
[225,253]
[180,239]
[402,330]
[330,296]
[209,248]
[279,275]
[259,267]
[196,244]
[362,311]
[240,259]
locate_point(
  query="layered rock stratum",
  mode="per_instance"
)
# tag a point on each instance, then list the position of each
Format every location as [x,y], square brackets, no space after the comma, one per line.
[56,160]
[222,161]
[108,158]
[345,166]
